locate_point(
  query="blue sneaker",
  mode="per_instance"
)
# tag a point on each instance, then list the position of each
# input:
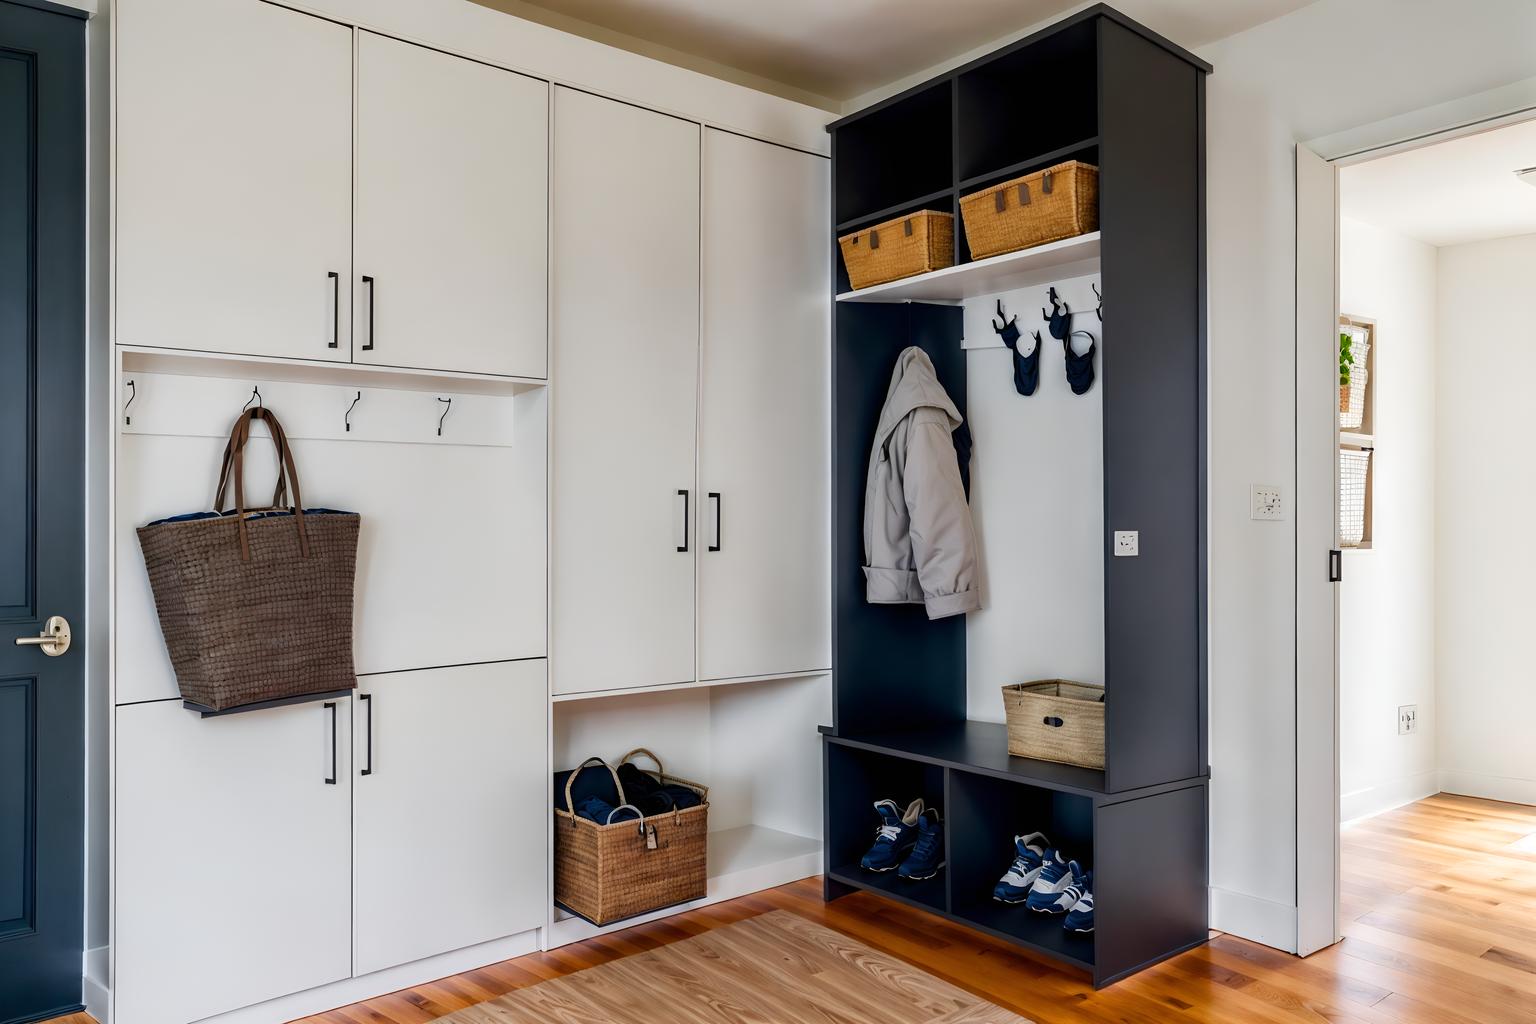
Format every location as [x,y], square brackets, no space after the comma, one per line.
[1029,858]
[927,855]
[1049,893]
[897,835]
[1080,917]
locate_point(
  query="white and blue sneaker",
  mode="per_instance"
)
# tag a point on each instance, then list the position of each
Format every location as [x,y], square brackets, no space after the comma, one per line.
[1080,917]
[894,838]
[1049,893]
[1029,858]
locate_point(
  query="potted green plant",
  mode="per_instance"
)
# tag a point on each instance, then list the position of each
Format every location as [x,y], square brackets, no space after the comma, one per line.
[1346,361]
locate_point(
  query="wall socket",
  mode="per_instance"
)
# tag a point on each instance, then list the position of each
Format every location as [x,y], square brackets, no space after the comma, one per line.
[1266,501]
[1408,720]
[1127,543]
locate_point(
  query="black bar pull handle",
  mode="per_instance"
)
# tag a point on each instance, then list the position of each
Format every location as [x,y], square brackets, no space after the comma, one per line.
[685,496]
[1335,566]
[368,699]
[372,287]
[715,497]
[335,309]
[331,705]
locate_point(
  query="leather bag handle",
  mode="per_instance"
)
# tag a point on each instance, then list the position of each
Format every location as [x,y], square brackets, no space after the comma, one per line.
[234,469]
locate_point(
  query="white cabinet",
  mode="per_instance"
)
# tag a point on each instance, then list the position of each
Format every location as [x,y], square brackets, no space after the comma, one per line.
[450,787]
[233,857]
[764,561]
[452,212]
[625,308]
[234,178]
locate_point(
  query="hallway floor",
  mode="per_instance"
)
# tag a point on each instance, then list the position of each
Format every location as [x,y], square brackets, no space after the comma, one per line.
[1439,908]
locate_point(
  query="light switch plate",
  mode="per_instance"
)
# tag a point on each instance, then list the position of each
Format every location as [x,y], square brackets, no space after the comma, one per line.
[1407,719]
[1127,543]
[1266,501]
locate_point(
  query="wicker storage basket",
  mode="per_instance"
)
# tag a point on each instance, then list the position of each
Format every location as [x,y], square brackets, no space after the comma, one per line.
[1046,206]
[914,244]
[1352,395]
[1056,720]
[1354,468]
[255,605]
[605,873]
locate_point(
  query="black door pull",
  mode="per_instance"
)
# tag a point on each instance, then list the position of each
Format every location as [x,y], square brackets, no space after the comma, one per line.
[371,289]
[331,705]
[335,308]
[684,495]
[367,698]
[715,497]
[1335,566]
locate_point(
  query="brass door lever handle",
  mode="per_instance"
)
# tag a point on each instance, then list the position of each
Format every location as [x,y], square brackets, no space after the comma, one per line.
[54,639]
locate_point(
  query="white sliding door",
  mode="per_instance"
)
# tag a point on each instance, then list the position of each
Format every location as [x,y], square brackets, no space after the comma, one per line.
[764,476]
[452,212]
[234,178]
[626,338]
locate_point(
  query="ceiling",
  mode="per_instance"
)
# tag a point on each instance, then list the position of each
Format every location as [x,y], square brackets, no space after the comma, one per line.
[1459,191]
[839,49]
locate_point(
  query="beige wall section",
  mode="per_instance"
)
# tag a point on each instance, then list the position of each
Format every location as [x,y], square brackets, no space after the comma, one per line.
[1387,599]
[1485,645]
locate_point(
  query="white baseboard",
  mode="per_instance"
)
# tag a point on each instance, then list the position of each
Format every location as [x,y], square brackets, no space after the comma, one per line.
[1489,787]
[1387,796]
[1250,917]
[98,984]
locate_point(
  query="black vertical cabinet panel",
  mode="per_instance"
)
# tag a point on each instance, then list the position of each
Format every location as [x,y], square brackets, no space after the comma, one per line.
[1150,216]
[893,667]
[1149,880]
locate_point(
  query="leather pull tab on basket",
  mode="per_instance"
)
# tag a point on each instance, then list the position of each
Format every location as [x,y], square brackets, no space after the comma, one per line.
[1045,183]
[874,239]
[907,227]
[1023,193]
[1000,200]
[650,837]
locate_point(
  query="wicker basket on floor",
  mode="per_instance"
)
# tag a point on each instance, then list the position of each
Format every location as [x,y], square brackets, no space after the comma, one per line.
[913,244]
[605,873]
[1056,720]
[1045,206]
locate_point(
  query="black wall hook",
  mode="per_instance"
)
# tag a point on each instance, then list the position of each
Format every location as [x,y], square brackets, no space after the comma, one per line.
[1026,368]
[1100,296]
[133,392]
[1006,326]
[348,418]
[255,397]
[448,405]
[1060,316]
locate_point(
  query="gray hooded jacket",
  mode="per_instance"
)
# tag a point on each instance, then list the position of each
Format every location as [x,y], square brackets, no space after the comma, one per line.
[919,543]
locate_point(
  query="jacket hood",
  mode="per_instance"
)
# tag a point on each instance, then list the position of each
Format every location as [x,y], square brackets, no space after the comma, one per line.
[914,385]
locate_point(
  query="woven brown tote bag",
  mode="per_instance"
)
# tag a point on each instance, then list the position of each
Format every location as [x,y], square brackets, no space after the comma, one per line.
[255,604]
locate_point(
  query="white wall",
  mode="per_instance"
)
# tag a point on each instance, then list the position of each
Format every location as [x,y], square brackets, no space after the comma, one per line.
[1387,599]
[1328,68]
[1485,642]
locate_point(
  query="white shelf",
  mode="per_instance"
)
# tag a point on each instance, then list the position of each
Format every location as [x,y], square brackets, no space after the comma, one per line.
[741,861]
[318,371]
[1044,264]
[702,684]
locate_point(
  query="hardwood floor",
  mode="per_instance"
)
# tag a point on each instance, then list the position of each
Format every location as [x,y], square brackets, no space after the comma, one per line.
[1439,910]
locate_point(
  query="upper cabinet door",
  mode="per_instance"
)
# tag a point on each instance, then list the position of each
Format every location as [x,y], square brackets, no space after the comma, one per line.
[234,178]
[626,342]
[764,563]
[452,213]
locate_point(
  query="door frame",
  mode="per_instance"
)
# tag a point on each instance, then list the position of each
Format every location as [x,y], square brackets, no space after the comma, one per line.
[1317,676]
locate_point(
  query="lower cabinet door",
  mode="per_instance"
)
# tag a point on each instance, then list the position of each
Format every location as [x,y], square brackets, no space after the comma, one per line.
[233,858]
[451,781]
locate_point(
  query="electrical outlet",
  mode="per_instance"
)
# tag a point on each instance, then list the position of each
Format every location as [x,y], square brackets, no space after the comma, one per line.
[1127,543]
[1266,501]
[1408,720]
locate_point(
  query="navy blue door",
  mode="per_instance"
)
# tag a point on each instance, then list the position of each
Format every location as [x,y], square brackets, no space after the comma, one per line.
[42,459]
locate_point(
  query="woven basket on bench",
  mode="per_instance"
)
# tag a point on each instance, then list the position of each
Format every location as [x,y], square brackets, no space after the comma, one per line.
[1056,720]
[913,244]
[605,873]
[1045,206]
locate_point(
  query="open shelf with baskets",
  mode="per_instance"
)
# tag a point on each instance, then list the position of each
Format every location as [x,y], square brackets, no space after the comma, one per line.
[915,701]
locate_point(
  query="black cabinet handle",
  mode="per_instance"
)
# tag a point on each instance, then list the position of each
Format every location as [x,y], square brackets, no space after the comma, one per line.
[684,496]
[368,699]
[335,309]
[1335,566]
[371,289]
[332,706]
[715,497]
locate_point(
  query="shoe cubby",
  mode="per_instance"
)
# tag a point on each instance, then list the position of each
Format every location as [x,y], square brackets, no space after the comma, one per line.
[856,780]
[916,703]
